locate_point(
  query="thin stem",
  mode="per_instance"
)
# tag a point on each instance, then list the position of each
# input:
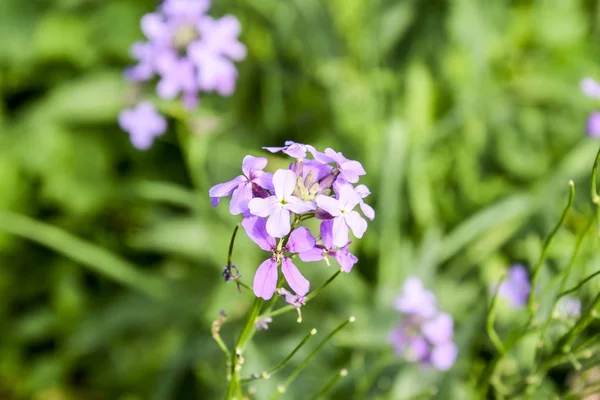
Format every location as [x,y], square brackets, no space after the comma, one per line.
[267,375]
[579,285]
[237,359]
[281,389]
[371,375]
[285,309]
[595,196]
[231,243]
[538,266]
[493,335]
[331,384]
[586,319]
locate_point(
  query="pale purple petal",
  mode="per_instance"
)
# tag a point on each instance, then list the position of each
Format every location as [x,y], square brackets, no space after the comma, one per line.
[155,28]
[274,149]
[250,164]
[225,189]
[263,207]
[240,198]
[590,88]
[439,330]
[300,240]
[298,206]
[351,171]
[284,182]
[294,278]
[265,279]
[278,224]
[367,210]
[329,204]
[516,287]
[415,300]
[263,179]
[417,348]
[314,254]
[444,356]
[356,223]
[345,259]
[327,234]
[348,196]
[340,232]
[256,230]
[362,190]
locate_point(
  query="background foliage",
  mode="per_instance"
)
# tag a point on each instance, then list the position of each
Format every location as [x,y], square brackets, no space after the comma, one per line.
[467,118]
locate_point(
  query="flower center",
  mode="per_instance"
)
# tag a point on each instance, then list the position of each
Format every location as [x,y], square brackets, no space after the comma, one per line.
[185,35]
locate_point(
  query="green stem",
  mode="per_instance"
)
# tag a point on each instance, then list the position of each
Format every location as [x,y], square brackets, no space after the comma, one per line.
[236,361]
[267,375]
[493,335]
[331,384]
[579,285]
[536,271]
[281,389]
[231,243]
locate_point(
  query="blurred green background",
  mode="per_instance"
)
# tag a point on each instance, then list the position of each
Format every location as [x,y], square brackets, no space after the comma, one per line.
[466,115]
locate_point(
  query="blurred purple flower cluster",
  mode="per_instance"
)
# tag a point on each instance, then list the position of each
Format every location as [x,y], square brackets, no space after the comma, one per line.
[425,335]
[190,52]
[591,89]
[275,205]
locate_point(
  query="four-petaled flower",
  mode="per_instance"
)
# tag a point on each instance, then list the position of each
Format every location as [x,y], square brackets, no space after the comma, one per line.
[143,123]
[279,206]
[243,186]
[341,209]
[321,251]
[265,279]
[516,287]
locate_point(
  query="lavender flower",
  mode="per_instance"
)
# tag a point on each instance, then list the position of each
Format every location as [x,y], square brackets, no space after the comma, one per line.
[279,206]
[189,51]
[321,251]
[516,287]
[243,186]
[344,218]
[268,202]
[593,124]
[425,335]
[590,88]
[263,323]
[143,123]
[265,279]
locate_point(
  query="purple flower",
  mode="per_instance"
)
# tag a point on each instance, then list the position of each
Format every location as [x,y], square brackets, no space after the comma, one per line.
[341,209]
[415,300]
[425,335]
[320,252]
[350,170]
[279,206]
[293,149]
[143,123]
[364,191]
[516,287]
[593,124]
[265,279]
[243,186]
[590,88]
[263,323]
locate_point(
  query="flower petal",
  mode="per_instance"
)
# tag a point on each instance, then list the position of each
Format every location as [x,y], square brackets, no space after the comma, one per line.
[300,240]
[367,210]
[284,182]
[351,170]
[340,232]
[345,259]
[256,230]
[298,206]
[444,356]
[251,164]
[327,234]
[265,279]
[240,199]
[329,204]
[294,278]
[263,179]
[356,223]
[439,330]
[278,224]
[314,254]
[262,207]
[225,189]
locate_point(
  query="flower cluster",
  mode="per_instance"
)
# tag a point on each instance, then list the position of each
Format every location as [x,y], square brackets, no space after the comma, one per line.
[425,334]
[591,88]
[516,287]
[190,52]
[274,205]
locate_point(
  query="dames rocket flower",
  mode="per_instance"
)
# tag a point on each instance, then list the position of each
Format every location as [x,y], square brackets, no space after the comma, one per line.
[591,89]
[143,123]
[425,335]
[516,287]
[274,207]
[187,51]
